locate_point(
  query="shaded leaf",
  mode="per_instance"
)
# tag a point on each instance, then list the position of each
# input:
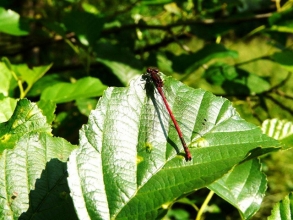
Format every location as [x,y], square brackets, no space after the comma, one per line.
[189,63]
[131,164]
[282,18]
[121,62]
[284,58]
[235,80]
[86,26]
[24,188]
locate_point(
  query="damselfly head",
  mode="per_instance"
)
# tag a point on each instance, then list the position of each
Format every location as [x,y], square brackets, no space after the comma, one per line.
[152,70]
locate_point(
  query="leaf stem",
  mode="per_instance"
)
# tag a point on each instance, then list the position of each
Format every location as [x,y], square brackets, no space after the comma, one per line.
[204,205]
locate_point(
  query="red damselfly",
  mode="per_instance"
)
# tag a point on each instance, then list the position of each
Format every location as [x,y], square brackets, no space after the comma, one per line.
[153,75]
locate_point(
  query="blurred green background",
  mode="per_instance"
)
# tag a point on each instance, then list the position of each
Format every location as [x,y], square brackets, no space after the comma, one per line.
[238,49]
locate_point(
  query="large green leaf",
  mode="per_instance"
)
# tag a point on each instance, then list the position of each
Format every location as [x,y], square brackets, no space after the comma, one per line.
[131,165]
[82,88]
[26,118]
[244,187]
[33,179]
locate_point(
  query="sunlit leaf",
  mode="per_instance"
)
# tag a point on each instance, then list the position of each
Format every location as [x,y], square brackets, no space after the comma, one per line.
[11,23]
[23,73]
[30,75]
[26,118]
[280,130]
[7,82]
[7,106]
[83,88]
[131,165]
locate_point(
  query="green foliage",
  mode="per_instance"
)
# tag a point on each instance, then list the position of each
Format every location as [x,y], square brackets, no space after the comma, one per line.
[26,118]
[236,187]
[59,57]
[283,209]
[113,147]
[83,88]
[12,24]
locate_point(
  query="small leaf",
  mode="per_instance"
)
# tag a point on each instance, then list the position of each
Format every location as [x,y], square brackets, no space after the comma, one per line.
[26,188]
[284,58]
[27,117]
[7,106]
[30,76]
[244,188]
[7,82]
[23,73]
[83,88]
[283,209]
[10,23]
[131,164]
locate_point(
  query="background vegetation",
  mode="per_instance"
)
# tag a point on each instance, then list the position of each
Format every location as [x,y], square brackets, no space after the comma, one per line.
[64,54]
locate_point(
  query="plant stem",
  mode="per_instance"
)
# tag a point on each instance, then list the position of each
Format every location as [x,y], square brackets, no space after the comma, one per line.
[204,205]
